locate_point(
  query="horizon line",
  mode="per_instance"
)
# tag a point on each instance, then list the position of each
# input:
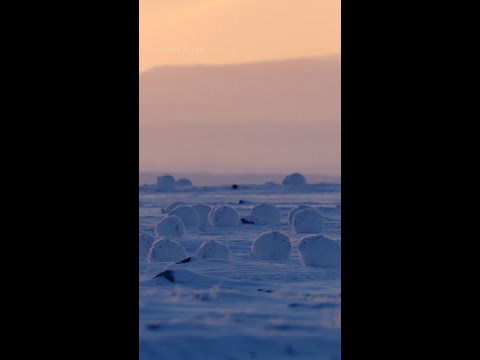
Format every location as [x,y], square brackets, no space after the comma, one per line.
[313,57]
[200,122]
[236,173]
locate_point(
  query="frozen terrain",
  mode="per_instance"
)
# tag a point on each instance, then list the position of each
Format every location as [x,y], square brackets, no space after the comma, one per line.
[243,307]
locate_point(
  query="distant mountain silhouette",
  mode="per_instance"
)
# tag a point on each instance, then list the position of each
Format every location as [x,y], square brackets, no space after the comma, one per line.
[276,116]
[297,90]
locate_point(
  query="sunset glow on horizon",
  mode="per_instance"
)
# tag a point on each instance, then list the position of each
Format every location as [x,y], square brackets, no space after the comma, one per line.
[278,109]
[179,32]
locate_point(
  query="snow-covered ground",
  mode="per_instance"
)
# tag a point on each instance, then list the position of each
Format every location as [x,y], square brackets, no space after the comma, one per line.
[244,307]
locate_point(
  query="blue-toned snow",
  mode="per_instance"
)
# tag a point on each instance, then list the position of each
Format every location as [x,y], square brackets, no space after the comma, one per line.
[244,308]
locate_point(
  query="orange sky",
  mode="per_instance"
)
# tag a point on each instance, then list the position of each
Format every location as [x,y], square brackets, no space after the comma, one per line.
[174,32]
[271,112]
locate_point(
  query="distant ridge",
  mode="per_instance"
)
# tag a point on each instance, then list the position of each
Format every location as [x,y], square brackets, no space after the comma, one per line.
[305,89]
[268,117]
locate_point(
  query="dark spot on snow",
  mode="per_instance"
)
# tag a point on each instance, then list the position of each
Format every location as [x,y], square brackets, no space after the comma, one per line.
[317,306]
[267,291]
[234,186]
[241,202]
[186,260]
[245,221]
[325,306]
[202,297]
[153,327]
[167,274]
[289,350]
[279,327]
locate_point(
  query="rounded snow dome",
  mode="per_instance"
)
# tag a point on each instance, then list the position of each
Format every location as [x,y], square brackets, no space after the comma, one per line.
[320,251]
[166,250]
[224,215]
[145,242]
[295,179]
[307,221]
[296,209]
[203,211]
[166,183]
[173,205]
[272,245]
[213,249]
[187,214]
[266,211]
[170,225]
[184,183]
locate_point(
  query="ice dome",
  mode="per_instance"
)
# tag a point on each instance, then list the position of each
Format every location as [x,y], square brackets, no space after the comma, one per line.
[266,211]
[203,211]
[296,209]
[224,215]
[145,242]
[184,183]
[166,183]
[170,225]
[187,214]
[166,250]
[272,245]
[318,250]
[213,249]
[173,205]
[295,179]
[307,221]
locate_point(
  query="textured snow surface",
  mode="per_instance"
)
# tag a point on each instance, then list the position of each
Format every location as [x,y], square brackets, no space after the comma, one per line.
[241,307]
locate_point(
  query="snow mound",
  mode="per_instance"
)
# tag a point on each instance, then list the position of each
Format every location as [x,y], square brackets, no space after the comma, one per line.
[213,249]
[166,250]
[203,211]
[272,245]
[224,215]
[145,242]
[295,179]
[166,183]
[266,211]
[307,221]
[170,225]
[184,183]
[187,214]
[320,251]
[296,209]
[173,205]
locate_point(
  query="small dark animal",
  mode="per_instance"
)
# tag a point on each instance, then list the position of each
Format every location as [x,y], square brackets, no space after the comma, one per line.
[241,202]
[234,186]
[245,221]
